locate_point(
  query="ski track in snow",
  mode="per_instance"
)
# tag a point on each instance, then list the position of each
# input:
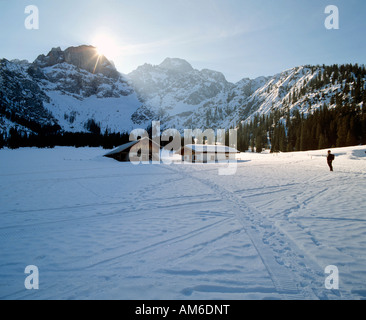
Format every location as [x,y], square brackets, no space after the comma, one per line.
[98,229]
[273,248]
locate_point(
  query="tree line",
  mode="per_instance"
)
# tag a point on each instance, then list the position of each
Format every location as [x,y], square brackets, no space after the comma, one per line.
[20,139]
[282,131]
[339,123]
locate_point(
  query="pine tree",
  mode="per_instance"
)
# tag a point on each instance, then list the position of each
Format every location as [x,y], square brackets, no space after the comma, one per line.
[319,134]
[342,133]
[14,141]
[322,142]
[2,141]
[252,143]
[107,142]
[339,101]
[363,128]
[357,91]
[303,138]
[282,139]
[350,140]
[259,144]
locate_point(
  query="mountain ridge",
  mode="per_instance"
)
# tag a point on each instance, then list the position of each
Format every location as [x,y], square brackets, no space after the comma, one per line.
[66,89]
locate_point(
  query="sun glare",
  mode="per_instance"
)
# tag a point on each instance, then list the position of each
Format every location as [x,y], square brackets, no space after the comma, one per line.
[106,46]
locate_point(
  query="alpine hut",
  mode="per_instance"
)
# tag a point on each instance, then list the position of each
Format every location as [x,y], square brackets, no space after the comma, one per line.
[139,150]
[207,153]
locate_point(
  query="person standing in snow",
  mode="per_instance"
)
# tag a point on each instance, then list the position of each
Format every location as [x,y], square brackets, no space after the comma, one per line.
[330,160]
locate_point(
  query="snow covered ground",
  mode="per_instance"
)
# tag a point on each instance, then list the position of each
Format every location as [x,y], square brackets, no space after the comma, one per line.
[99,229]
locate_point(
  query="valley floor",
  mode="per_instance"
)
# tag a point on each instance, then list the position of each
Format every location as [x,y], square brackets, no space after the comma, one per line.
[99,229]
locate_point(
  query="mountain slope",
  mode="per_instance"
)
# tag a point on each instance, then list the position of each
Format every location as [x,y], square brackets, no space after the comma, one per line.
[174,90]
[22,99]
[65,90]
[304,89]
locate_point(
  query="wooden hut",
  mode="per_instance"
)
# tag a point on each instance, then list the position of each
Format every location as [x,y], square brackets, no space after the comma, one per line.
[207,153]
[140,150]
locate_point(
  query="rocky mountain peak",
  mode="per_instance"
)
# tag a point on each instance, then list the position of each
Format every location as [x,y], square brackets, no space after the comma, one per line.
[83,57]
[175,64]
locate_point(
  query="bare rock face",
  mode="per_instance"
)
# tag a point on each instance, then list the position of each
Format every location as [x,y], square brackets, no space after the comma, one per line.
[175,82]
[83,57]
[55,56]
[176,65]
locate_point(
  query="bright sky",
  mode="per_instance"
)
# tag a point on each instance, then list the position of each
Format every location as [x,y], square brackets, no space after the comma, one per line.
[240,38]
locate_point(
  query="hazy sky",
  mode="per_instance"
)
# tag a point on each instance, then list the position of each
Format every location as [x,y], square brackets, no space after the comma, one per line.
[241,38]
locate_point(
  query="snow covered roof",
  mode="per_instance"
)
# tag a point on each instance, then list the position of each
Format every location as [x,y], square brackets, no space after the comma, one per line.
[203,148]
[121,148]
[129,145]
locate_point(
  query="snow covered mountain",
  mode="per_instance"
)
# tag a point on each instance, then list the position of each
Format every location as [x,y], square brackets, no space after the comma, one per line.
[174,90]
[182,97]
[67,89]
[305,89]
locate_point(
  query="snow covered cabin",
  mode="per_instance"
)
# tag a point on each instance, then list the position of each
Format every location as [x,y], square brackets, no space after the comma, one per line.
[207,153]
[145,149]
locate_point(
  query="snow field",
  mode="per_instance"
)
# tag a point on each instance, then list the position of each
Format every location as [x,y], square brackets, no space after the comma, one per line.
[99,229]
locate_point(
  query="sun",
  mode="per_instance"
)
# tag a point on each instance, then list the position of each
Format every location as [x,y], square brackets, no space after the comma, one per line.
[105,45]
[100,51]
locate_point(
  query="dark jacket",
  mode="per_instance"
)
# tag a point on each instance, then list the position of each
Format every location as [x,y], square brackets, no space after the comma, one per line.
[330,157]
